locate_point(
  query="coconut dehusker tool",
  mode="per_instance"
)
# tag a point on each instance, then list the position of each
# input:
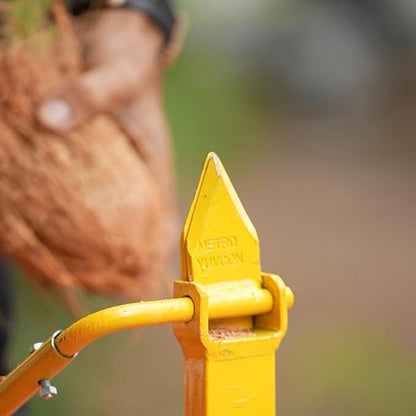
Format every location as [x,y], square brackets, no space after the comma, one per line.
[228,316]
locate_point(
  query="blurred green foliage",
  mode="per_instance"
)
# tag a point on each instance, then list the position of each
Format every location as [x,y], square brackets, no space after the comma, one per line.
[212,107]
[25,18]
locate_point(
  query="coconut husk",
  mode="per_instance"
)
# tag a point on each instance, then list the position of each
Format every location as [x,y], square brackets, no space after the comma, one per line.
[79,210]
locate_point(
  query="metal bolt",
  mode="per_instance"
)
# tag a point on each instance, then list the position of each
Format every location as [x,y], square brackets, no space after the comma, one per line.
[35,347]
[47,391]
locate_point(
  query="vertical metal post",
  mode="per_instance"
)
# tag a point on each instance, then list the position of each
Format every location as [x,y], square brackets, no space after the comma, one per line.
[229,363]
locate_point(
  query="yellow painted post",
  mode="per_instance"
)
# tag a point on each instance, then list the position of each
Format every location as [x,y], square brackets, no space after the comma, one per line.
[229,362]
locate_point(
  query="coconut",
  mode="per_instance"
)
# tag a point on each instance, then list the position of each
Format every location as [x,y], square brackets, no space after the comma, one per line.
[80,210]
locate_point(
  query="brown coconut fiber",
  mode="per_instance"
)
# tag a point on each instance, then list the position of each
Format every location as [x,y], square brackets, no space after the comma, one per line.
[79,211]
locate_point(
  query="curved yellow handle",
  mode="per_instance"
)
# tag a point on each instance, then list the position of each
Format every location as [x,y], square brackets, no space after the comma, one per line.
[57,352]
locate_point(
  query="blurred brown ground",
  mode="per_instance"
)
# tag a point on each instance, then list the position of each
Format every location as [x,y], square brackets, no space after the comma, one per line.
[335,212]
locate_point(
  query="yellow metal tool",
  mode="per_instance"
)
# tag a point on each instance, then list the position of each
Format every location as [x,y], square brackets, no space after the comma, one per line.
[229,317]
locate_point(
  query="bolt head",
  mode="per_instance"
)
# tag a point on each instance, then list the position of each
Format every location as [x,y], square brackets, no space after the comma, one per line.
[35,347]
[47,391]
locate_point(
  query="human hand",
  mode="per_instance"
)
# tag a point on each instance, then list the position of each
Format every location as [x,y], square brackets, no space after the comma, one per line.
[124,55]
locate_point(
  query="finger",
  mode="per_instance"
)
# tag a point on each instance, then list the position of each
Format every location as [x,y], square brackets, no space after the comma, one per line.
[144,122]
[99,90]
[177,40]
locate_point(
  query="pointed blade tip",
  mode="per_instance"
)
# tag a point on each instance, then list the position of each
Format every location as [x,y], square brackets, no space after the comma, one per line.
[212,155]
[213,158]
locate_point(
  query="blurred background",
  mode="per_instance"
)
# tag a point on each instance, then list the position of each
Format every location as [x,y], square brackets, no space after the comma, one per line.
[311,105]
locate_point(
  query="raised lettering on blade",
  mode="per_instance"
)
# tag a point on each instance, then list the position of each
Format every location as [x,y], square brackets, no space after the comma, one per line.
[215,244]
[223,260]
